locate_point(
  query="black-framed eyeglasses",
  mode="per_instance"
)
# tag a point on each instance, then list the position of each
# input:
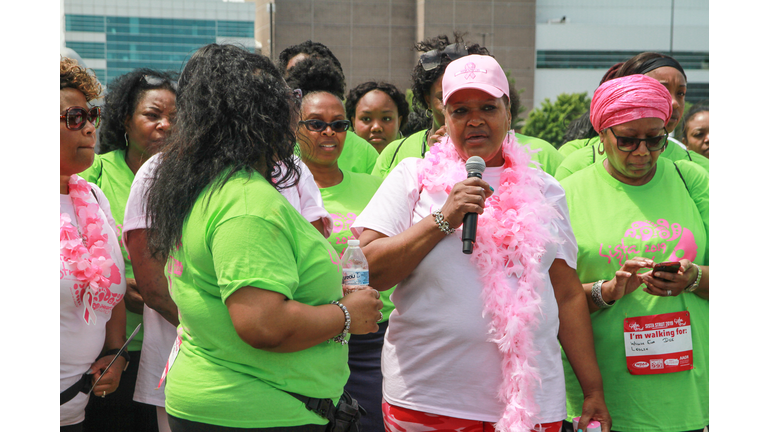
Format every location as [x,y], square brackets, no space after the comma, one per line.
[627,144]
[319,125]
[157,81]
[432,59]
[76,117]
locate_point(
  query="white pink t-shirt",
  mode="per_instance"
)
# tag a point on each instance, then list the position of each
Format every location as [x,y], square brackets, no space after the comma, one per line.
[159,334]
[436,356]
[81,343]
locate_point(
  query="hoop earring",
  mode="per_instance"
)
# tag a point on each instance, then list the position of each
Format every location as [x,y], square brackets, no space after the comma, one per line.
[601,148]
[126,140]
[428,113]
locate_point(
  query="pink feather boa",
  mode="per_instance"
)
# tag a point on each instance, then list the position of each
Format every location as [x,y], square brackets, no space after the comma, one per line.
[512,235]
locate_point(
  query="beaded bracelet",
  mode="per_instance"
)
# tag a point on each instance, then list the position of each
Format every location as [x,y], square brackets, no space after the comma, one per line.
[342,337]
[442,223]
[597,295]
[692,287]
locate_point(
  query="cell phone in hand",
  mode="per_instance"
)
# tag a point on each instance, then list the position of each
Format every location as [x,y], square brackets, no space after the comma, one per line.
[669,267]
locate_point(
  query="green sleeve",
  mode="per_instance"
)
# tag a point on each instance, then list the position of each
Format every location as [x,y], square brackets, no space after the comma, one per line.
[383,165]
[93,173]
[250,251]
[358,155]
[576,161]
[699,160]
[697,180]
[547,156]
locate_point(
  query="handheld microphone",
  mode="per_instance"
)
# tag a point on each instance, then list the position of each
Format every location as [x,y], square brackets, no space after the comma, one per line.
[475,167]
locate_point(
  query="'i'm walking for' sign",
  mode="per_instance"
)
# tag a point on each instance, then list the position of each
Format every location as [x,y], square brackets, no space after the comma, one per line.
[657,344]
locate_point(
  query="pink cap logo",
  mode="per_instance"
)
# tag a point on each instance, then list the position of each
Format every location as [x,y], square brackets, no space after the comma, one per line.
[469,71]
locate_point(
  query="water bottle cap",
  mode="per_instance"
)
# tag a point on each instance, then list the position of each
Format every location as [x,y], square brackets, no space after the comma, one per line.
[353,243]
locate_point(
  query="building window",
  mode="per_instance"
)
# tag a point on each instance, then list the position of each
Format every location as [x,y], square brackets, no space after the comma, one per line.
[555,59]
[156,43]
[234,28]
[91,50]
[696,92]
[84,23]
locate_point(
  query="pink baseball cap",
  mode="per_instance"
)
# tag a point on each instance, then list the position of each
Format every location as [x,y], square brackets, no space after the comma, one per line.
[475,71]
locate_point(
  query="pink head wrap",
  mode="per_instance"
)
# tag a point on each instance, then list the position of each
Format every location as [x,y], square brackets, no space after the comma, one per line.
[628,98]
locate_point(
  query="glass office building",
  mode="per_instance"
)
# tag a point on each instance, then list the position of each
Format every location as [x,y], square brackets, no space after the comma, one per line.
[113,38]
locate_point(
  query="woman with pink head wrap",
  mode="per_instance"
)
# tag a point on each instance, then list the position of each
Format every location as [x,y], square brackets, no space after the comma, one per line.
[629,213]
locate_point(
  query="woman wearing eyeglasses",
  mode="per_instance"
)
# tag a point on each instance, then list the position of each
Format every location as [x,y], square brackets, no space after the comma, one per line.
[671,75]
[427,79]
[138,112]
[92,273]
[321,135]
[629,212]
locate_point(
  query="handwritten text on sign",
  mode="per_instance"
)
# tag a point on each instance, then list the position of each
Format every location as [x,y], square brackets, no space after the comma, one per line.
[657,344]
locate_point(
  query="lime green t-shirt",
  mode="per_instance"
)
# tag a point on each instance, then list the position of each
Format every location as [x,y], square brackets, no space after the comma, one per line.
[412,146]
[110,173]
[661,220]
[358,155]
[344,202]
[588,155]
[249,235]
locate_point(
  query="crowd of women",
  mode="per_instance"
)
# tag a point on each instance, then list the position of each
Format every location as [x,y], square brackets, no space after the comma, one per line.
[215,213]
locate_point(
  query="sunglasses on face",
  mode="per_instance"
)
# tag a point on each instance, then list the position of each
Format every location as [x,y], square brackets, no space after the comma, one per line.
[319,125]
[432,59]
[629,145]
[76,117]
[157,81]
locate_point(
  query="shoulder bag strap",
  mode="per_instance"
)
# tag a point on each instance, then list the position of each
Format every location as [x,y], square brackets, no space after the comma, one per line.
[681,178]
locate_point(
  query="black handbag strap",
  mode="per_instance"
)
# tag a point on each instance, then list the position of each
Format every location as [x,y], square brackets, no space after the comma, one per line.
[80,386]
[322,407]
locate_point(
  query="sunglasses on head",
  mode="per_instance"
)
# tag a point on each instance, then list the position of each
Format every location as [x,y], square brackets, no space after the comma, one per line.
[319,125]
[76,117]
[157,81]
[629,145]
[432,59]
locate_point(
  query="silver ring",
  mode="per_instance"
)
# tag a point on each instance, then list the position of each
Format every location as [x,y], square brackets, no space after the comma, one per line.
[381,316]
[104,393]
[669,293]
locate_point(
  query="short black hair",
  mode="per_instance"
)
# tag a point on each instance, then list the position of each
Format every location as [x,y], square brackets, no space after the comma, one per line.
[312,49]
[317,74]
[423,80]
[357,93]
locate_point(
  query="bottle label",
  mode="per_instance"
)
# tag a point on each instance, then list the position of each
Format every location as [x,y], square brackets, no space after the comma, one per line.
[355,277]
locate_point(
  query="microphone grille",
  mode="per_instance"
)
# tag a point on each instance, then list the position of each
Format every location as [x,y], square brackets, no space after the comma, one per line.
[475,164]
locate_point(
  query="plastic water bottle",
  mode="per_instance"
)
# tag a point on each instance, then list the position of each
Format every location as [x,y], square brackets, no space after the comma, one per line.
[354,267]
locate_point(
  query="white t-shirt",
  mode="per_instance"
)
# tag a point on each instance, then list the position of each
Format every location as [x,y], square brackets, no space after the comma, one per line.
[159,334]
[436,356]
[81,343]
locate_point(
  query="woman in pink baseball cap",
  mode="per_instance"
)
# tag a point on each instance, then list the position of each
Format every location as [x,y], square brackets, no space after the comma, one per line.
[629,213]
[473,341]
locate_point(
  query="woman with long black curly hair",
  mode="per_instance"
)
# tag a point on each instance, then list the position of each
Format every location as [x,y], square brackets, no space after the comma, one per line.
[378,111]
[138,113]
[252,279]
